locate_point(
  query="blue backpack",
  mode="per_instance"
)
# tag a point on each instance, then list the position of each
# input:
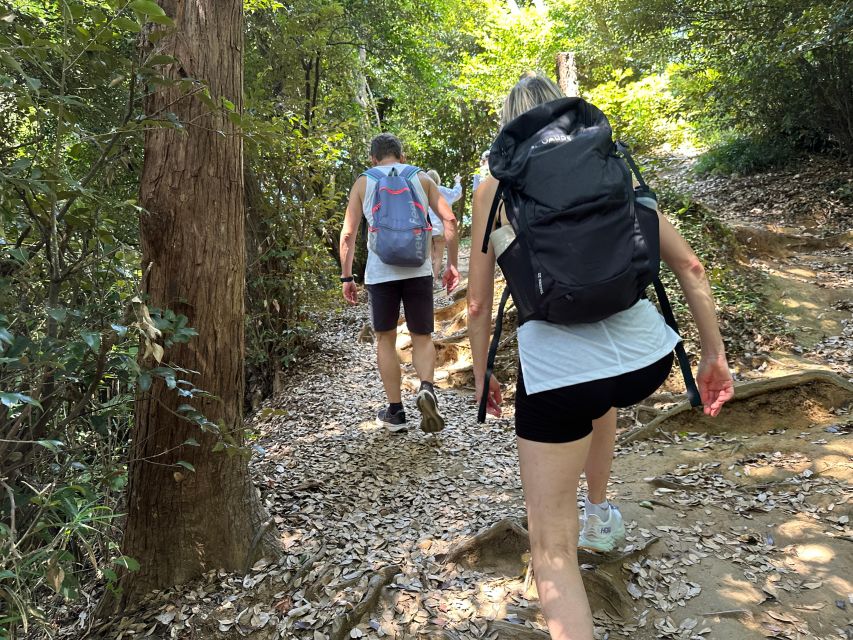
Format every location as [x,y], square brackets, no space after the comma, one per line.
[401,230]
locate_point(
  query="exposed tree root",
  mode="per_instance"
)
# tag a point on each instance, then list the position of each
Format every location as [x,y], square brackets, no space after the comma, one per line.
[313,592]
[763,241]
[744,392]
[342,627]
[501,546]
[614,557]
[305,568]
[504,548]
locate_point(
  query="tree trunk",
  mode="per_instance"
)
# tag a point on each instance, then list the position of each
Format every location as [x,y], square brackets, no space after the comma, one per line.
[567,74]
[180,522]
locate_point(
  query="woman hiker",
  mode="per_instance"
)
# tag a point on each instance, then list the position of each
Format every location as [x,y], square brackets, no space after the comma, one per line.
[570,379]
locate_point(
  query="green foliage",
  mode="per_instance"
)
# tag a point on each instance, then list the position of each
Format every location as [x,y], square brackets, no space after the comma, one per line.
[643,112]
[71,91]
[778,71]
[743,155]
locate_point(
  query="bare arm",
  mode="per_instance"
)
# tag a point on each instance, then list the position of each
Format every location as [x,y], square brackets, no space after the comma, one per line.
[349,231]
[481,290]
[713,378]
[691,276]
[438,204]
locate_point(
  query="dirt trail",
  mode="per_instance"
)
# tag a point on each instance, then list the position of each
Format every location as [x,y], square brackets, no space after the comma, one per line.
[738,528]
[796,226]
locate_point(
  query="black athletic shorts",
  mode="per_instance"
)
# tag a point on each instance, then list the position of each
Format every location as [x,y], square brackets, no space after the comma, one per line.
[566,414]
[416,296]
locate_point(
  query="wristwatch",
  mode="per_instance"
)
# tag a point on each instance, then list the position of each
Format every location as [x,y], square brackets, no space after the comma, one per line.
[348,279]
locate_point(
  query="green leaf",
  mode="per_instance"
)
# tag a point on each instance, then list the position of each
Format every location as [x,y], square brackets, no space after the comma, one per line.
[167,374]
[93,339]
[160,59]
[14,399]
[127,24]
[9,61]
[147,8]
[192,442]
[52,445]
[128,563]
[156,36]
[186,465]
[144,381]
[5,336]
[166,21]
[58,314]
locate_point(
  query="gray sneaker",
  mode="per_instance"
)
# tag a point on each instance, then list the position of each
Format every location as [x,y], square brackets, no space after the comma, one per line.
[431,420]
[394,422]
[603,535]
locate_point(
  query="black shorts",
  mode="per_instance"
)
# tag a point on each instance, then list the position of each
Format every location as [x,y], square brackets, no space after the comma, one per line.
[416,296]
[566,414]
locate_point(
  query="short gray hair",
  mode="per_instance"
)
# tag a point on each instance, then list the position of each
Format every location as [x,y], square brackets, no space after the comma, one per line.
[533,89]
[433,174]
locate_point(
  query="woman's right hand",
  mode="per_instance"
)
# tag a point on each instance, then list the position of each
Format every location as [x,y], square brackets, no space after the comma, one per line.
[715,383]
[493,404]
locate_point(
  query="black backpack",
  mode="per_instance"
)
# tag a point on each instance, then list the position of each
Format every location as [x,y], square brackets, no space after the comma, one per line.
[586,241]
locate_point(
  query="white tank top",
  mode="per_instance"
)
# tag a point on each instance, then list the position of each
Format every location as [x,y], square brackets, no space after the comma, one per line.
[554,355]
[377,271]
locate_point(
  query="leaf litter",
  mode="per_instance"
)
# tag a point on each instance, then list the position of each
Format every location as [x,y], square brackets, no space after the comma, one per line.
[754,528]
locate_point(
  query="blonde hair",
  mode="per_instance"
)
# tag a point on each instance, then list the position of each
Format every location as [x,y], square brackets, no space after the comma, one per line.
[433,174]
[533,89]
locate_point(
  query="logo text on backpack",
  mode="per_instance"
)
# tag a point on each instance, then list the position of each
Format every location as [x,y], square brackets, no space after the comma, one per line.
[539,280]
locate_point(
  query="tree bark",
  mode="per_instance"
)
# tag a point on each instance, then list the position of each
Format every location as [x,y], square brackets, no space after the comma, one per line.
[182,523]
[567,74]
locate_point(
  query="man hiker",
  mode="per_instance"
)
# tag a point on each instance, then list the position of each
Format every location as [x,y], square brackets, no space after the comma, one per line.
[395,198]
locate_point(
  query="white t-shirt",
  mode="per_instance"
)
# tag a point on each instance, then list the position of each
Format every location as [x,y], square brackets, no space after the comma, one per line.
[377,271]
[554,355]
[451,195]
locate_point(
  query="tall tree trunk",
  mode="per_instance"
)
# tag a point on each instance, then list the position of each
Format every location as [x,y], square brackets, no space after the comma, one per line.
[180,522]
[567,74]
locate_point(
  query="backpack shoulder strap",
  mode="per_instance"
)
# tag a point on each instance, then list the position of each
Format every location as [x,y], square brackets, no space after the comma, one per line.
[683,361]
[493,353]
[376,174]
[623,149]
[493,215]
[410,172]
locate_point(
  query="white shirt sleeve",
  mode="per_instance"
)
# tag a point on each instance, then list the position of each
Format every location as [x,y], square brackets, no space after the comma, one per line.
[476,182]
[451,195]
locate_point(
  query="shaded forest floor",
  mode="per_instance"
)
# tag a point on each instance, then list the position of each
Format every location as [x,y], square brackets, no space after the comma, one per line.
[738,528]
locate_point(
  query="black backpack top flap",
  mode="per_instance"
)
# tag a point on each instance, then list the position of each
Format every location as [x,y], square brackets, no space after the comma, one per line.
[560,154]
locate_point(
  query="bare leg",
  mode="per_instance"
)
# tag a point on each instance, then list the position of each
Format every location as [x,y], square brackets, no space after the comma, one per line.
[600,458]
[389,363]
[423,356]
[438,247]
[550,475]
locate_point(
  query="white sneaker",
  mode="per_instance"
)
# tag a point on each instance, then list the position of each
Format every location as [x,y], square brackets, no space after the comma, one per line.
[602,535]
